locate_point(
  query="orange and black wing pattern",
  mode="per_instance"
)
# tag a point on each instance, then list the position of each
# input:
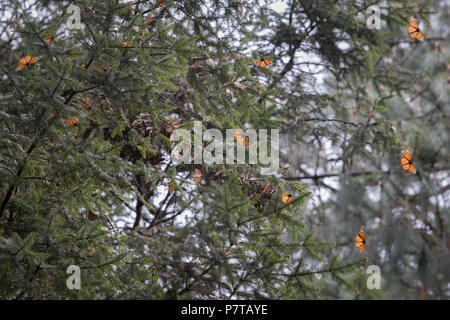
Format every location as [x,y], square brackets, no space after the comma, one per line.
[26,61]
[286,197]
[414,31]
[407,163]
[263,62]
[360,241]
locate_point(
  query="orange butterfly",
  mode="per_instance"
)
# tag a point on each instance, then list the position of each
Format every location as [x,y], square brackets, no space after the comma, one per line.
[286,197]
[73,121]
[197,175]
[101,68]
[26,61]
[414,31]
[407,162]
[49,40]
[239,137]
[264,187]
[360,241]
[159,3]
[263,62]
[148,20]
[87,103]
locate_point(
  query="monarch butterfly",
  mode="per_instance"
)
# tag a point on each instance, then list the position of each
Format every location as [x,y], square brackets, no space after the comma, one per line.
[159,3]
[76,133]
[101,68]
[73,121]
[407,162]
[286,197]
[360,241]
[148,20]
[92,216]
[49,40]
[87,104]
[263,62]
[414,31]
[26,61]
[197,175]
[239,137]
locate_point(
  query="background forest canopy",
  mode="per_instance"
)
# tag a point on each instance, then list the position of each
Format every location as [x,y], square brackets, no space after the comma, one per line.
[86,176]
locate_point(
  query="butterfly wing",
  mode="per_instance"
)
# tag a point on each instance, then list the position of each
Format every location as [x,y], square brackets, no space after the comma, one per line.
[413,26]
[414,31]
[267,62]
[23,62]
[360,241]
[287,197]
[419,36]
[263,62]
[407,156]
[28,60]
[362,236]
[407,164]
[197,175]
[74,121]
[404,161]
[92,216]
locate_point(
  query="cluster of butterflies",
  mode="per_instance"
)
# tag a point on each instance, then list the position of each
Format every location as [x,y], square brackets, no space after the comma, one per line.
[406,161]
[407,164]
[413,29]
[360,239]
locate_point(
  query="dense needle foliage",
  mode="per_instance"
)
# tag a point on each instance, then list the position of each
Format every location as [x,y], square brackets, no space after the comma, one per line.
[86,176]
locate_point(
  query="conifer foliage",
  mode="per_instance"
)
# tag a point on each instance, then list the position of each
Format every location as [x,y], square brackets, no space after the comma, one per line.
[86,122]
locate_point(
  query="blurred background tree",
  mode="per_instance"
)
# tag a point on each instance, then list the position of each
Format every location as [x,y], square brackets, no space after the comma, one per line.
[87,178]
[348,145]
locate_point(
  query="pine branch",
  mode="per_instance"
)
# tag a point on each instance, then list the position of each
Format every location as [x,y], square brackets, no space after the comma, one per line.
[328,270]
[329,175]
